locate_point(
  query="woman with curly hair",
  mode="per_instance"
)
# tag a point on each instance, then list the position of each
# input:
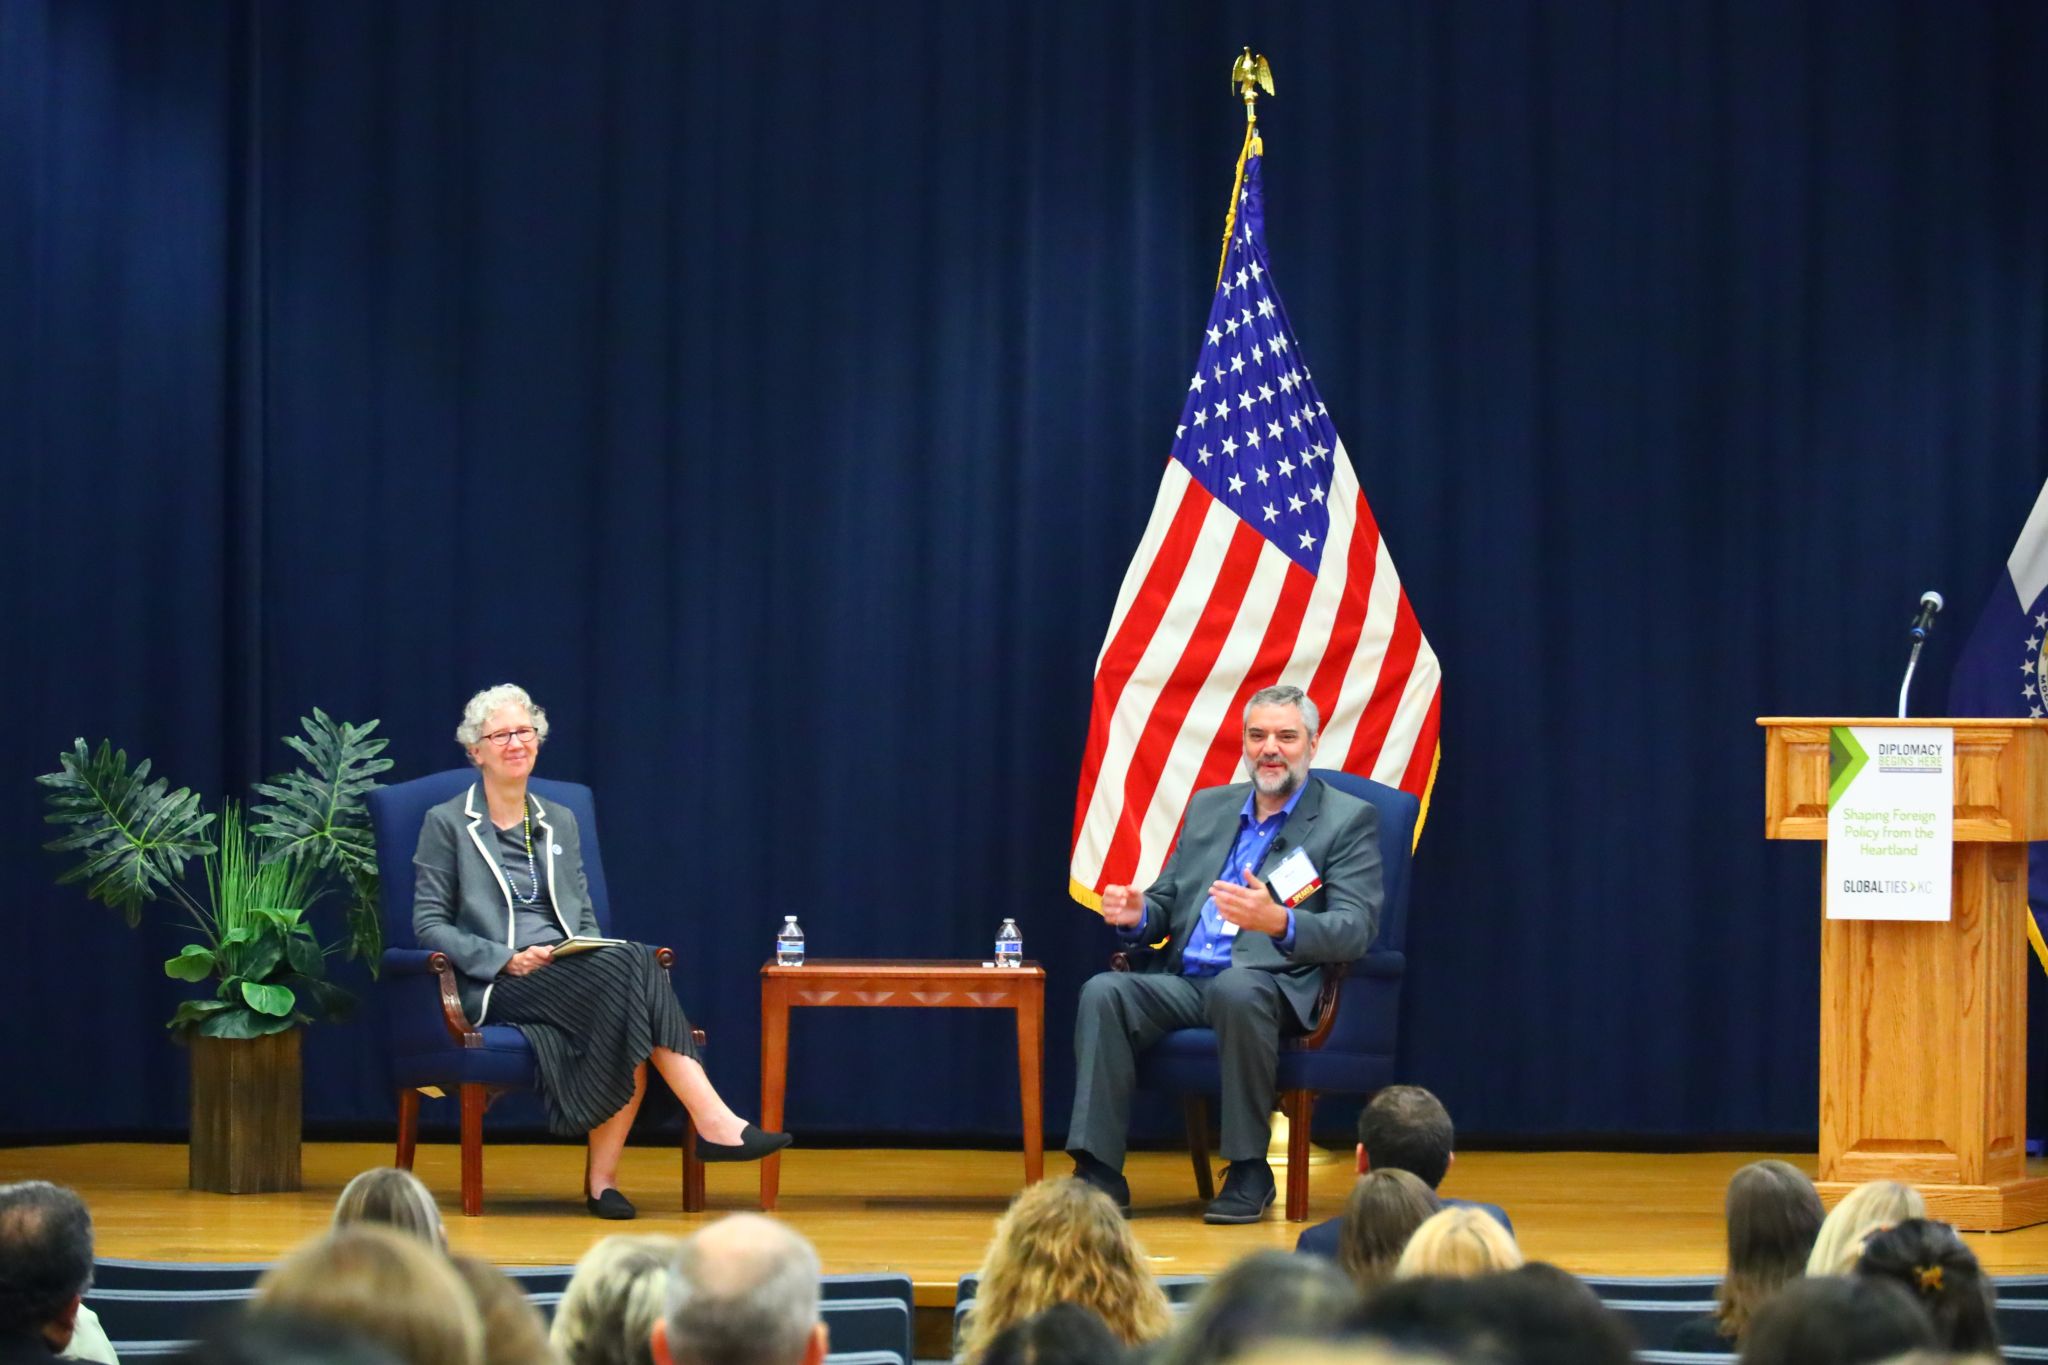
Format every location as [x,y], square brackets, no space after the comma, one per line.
[1063,1241]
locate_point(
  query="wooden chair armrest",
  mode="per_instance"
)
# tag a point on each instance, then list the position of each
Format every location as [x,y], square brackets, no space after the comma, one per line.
[459,1028]
[1326,1007]
[667,958]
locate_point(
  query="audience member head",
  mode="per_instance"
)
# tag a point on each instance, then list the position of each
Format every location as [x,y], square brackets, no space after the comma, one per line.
[1458,1242]
[1353,1352]
[277,1338]
[1835,1320]
[1405,1128]
[744,1291]
[1774,1214]
[514,1331]
[1063,1241]
[1532,1315]
[1385,1208]
[392,1198]
[1267,1296]
[391,1288]
[614,1298]
[1929,1261]
[1870,1206]
[1064,1334]
[45,1260]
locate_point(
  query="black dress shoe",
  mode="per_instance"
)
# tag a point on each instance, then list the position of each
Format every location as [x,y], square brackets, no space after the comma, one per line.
[611,1204]
[1247,1191]
[752,1146]
[1091,1171]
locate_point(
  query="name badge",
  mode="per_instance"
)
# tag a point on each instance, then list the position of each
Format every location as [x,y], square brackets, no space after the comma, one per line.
[1295,879]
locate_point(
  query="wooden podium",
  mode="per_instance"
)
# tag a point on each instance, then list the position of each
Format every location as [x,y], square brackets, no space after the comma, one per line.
[1923,1026]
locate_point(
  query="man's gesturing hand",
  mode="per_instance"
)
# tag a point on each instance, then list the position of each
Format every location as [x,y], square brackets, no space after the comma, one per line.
[1123,906]
[1249,906]
[530,959]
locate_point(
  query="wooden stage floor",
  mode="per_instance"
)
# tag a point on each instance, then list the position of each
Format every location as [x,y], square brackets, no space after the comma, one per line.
[924,1213]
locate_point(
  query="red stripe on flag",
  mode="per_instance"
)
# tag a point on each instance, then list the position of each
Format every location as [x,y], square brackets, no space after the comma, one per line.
[1416,779]
[1276,647]
[1326,687]
[1371,735]
[1122,654]
[1170,710]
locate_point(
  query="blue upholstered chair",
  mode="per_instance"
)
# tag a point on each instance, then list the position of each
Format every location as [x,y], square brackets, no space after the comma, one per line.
[434,1048]
[1351,1051]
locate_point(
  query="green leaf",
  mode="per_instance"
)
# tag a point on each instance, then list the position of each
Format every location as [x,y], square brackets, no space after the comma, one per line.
[246,1023]
[304,956]
[318,812]
[136,835]
[195,963]
[365,921]
[192,1011]
[330,999]
[266,999]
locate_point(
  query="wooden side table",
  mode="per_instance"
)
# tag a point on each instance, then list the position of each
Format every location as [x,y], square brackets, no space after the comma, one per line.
[903,985]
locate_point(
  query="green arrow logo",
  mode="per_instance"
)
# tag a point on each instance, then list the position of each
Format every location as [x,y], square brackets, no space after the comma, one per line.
[1845,759]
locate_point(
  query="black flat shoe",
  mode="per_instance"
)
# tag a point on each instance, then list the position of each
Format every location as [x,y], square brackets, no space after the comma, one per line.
[752,1146]
[611,1204]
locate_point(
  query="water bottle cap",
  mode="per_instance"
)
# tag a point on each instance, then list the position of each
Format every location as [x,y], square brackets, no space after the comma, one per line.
[789,919]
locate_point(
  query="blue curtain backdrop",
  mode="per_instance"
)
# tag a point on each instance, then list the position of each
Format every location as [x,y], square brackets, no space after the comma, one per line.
[778,390]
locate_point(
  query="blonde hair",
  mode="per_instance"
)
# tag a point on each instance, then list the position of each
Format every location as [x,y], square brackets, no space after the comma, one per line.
[383,1285]
[1458,1243]
[1063,1241]
[1870,1206]
[1385,1209]
[614,1299]
[514,1331]
[393,1198]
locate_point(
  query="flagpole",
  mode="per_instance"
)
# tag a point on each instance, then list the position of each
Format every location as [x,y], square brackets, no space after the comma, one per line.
[1248,75]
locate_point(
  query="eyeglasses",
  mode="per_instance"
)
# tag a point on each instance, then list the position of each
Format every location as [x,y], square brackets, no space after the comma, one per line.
[525,734]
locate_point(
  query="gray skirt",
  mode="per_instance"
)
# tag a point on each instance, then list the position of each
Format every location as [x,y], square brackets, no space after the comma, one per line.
[592,1019]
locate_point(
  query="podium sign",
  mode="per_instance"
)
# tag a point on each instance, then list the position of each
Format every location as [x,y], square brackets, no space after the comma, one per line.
[1891,824]
[1923,1023]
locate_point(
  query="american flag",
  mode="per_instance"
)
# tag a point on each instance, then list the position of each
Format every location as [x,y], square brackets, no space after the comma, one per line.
[1261,564]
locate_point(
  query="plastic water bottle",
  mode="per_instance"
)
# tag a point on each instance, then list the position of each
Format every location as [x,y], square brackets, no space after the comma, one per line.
[1009,945]
[789,943]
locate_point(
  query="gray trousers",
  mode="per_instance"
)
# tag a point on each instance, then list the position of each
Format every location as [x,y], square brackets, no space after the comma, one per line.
[1123,1013]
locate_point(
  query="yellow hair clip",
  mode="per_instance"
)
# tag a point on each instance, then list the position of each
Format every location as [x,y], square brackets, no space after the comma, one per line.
[1930,1278]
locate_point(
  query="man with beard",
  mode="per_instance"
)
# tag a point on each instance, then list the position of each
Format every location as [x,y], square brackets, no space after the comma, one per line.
[1271,879]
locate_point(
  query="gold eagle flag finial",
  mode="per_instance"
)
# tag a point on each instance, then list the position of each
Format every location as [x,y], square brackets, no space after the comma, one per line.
[1249,75]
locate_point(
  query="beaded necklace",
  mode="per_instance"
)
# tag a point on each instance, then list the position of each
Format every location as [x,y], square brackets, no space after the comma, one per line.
[532,872]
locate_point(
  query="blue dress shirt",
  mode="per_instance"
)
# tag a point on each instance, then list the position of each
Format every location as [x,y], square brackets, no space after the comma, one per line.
[1208,946]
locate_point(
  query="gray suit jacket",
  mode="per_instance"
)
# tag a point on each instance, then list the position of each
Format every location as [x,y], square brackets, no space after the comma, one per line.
[1336,924]
[461,904]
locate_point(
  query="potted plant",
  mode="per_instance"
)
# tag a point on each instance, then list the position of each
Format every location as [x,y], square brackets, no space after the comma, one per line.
[265,869]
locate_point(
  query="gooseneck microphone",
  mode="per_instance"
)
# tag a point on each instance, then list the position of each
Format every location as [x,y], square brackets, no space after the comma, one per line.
[1930,604]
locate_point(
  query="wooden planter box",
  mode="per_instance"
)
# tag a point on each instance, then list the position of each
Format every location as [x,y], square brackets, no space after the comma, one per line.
[246,1110]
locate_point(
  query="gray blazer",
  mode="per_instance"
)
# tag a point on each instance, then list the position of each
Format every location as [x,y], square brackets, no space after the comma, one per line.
[461,904]
[1335,924]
